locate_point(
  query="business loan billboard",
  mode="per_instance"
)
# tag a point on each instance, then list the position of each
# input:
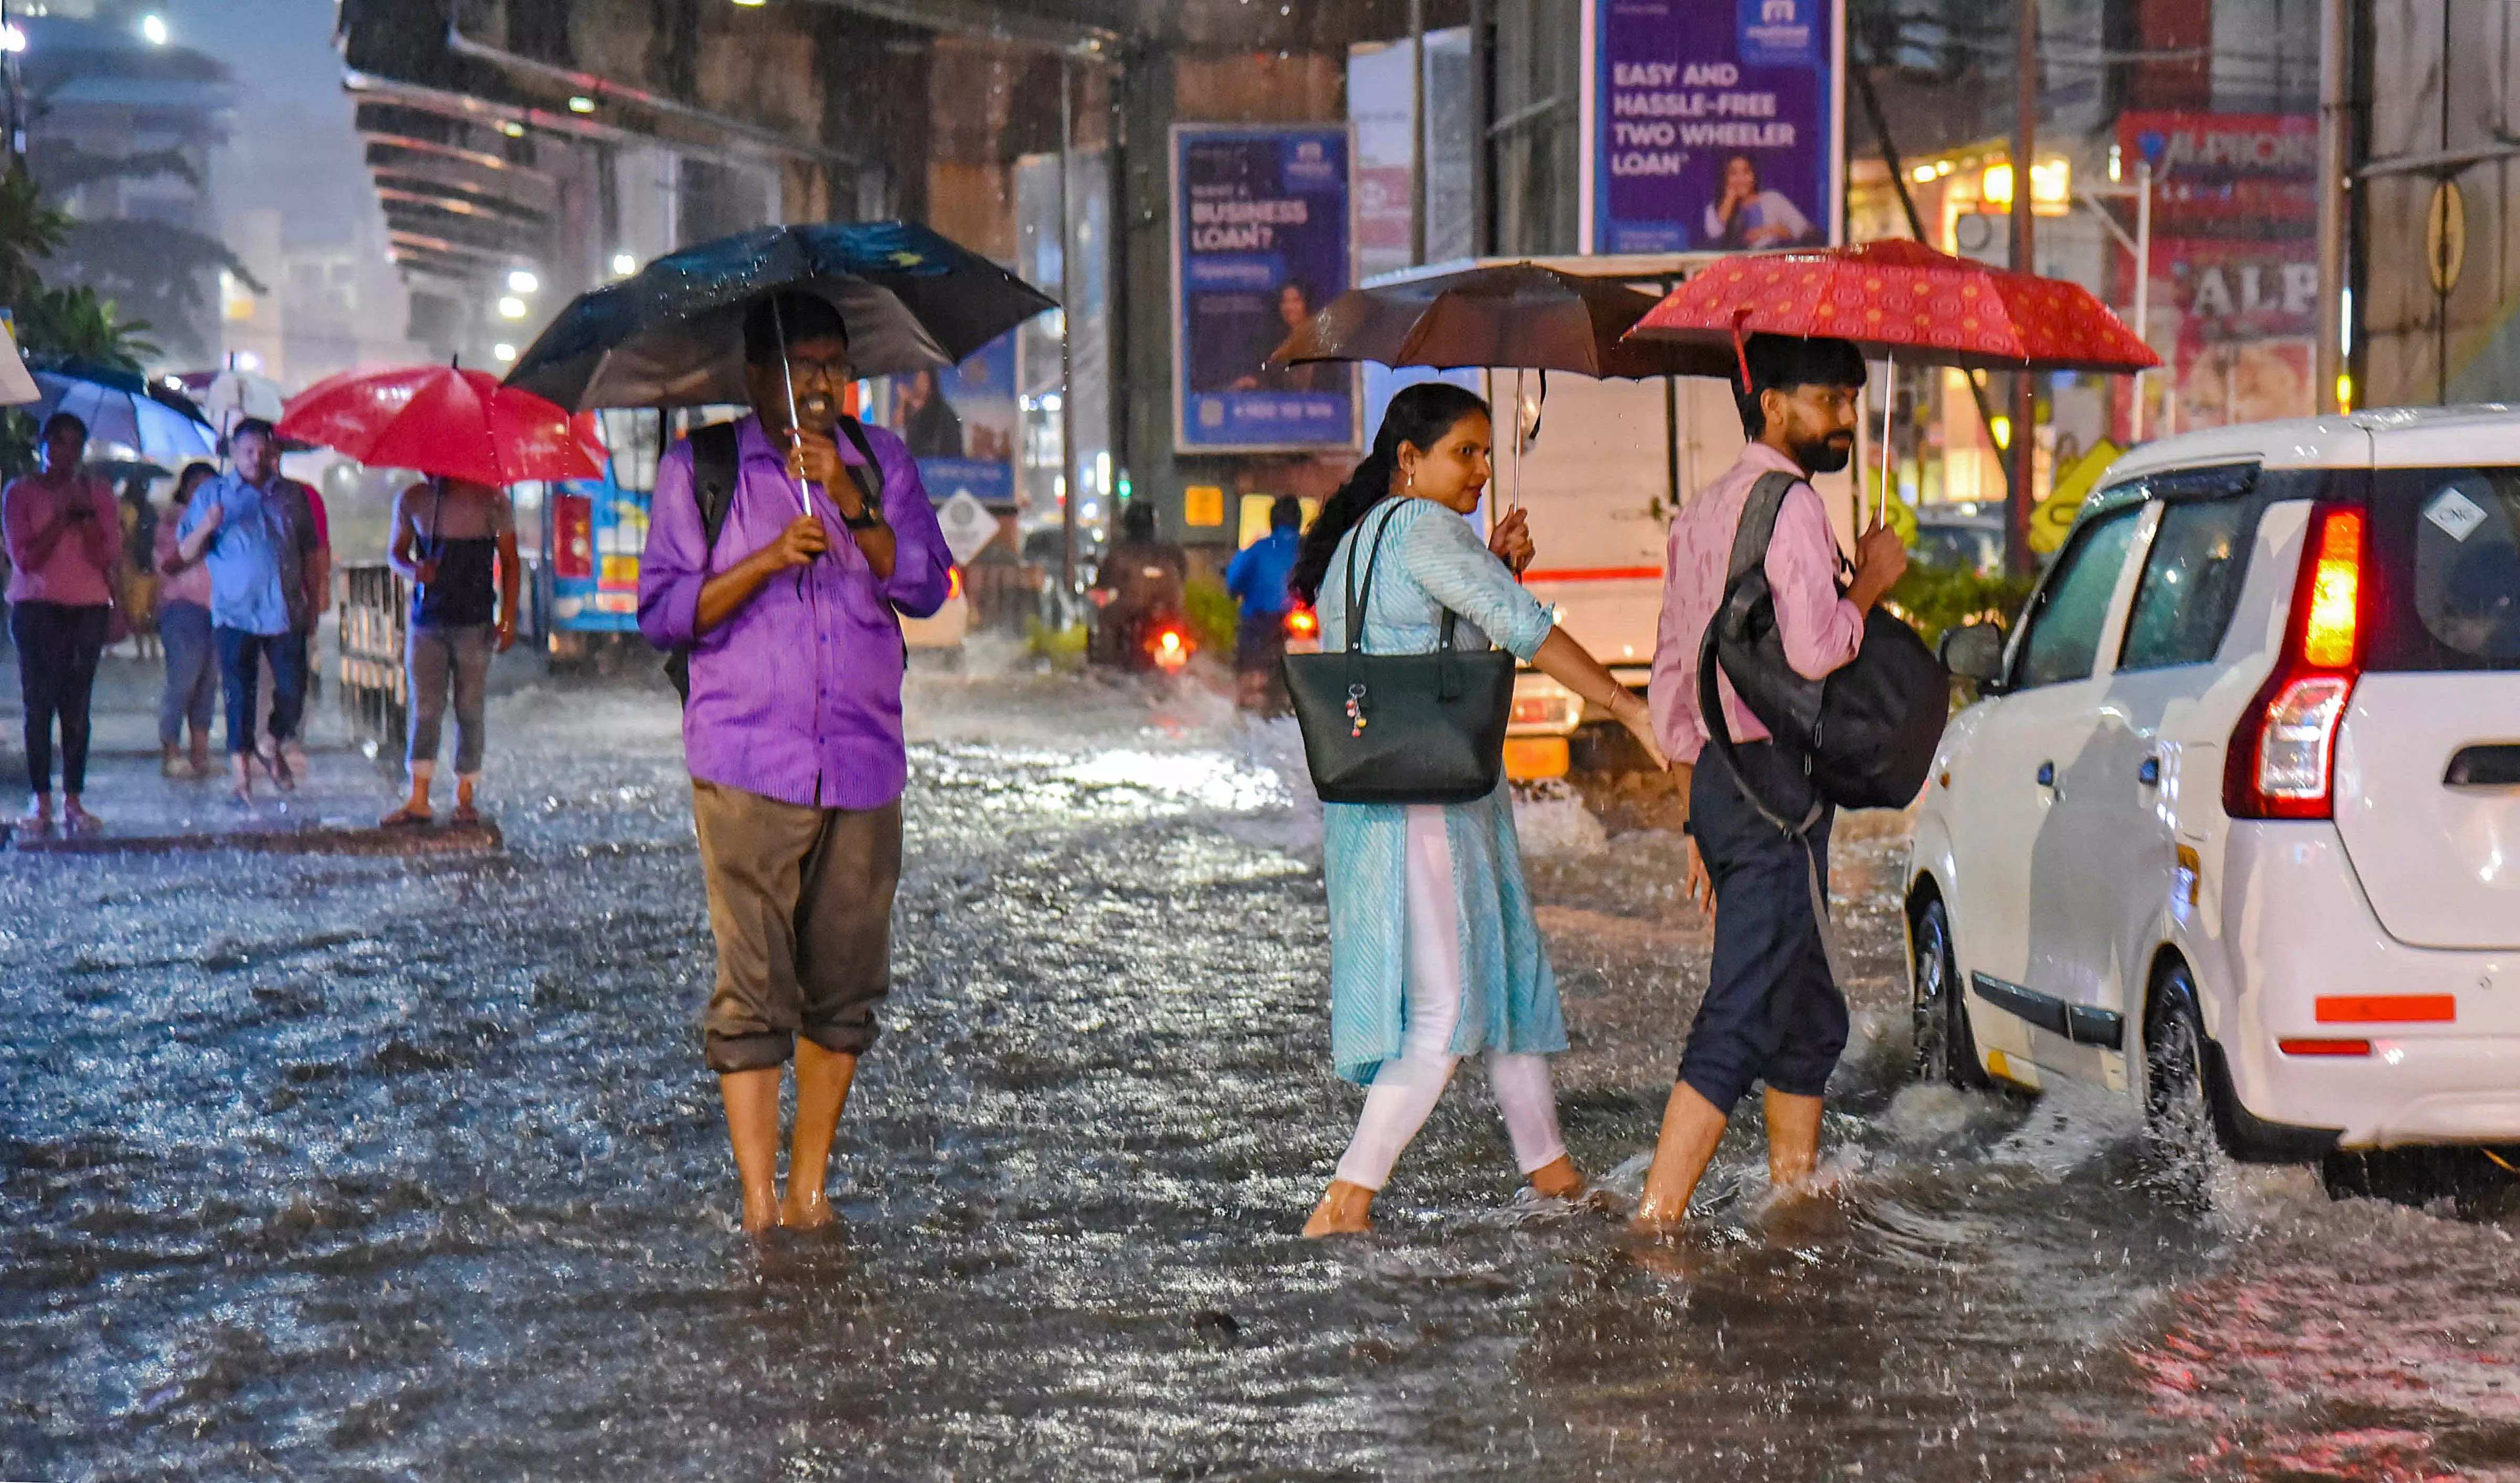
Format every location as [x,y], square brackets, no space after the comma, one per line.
[1262,238]
[1712,125]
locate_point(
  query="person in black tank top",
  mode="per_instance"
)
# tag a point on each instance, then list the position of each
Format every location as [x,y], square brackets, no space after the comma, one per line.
[456,543]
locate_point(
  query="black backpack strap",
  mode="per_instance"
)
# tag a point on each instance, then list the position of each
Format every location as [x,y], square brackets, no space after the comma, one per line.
[715,460]
[869,473]
[716,463]
[1745,586]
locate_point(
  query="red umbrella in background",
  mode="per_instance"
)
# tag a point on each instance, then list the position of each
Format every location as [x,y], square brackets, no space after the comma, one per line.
[446,421]
[1900,299]
[1905,299]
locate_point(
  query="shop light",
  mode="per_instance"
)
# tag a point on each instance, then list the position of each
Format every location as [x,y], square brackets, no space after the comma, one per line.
[11,40]
[2001,427]
[1942,169]
[1995,187]
[521,281]
[512,129]
[1923,174]
[581,104]
[512,307]
[624,264]
[502,352]
[752,4]
[2051,183]
[2344,391]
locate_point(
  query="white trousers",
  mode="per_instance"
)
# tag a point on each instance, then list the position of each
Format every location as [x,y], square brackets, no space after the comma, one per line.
[1405,1091]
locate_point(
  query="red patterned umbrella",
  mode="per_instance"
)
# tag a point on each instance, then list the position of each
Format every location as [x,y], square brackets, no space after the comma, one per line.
[1904,300]
[442,420]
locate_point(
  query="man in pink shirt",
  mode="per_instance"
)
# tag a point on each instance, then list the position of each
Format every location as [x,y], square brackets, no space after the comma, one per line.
[1771,1012]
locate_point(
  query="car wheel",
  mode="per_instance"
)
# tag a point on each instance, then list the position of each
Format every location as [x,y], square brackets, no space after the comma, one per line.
[1946,1048]
[2178,1102]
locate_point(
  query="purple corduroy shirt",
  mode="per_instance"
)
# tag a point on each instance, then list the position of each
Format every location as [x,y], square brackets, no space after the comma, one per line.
[797,696]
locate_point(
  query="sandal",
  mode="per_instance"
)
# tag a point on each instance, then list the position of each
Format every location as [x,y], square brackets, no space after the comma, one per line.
[407,817]
[464,812]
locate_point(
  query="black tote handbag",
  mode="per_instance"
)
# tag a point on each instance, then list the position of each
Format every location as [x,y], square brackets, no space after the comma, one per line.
[1400,728]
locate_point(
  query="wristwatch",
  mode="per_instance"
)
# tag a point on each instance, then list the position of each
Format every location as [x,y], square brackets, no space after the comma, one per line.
[868,520]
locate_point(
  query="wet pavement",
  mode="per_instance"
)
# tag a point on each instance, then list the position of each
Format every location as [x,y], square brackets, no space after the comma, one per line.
[317,1166]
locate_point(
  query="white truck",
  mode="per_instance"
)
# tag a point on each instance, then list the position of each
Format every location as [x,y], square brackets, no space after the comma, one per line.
[1610,463]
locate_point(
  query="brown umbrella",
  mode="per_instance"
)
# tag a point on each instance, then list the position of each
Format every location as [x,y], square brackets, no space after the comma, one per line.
[1520,316]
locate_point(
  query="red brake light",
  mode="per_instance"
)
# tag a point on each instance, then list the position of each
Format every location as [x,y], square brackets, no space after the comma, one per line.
[2324,1047]
[2282,760]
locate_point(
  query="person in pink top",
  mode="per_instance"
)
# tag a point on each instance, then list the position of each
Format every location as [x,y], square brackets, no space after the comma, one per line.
[65,543]
[1771,1012]
[192,654]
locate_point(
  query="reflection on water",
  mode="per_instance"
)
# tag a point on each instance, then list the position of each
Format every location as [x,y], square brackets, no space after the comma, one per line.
[321,1166]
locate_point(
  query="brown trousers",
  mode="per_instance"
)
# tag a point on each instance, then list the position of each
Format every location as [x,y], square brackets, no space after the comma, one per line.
[801,899]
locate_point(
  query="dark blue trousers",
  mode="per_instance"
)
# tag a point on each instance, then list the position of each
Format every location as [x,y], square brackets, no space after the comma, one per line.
[1772,1011]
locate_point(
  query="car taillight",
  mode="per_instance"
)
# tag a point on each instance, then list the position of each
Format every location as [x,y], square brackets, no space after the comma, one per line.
[2282,762]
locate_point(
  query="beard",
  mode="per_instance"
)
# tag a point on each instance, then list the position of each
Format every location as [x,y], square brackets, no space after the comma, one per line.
[1826,454]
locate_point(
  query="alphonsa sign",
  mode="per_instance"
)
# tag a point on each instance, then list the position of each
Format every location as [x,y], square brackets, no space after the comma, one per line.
[1712,125]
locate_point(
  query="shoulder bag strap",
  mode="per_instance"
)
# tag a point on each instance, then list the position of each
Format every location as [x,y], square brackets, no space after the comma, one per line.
[868,475]
[1357,596]
[1745,583]
[716,466]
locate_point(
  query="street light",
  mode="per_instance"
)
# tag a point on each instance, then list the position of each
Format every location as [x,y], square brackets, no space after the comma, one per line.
[153,30]
[512,307]
[520,281]
[624,264]
[502,352]
[581,104]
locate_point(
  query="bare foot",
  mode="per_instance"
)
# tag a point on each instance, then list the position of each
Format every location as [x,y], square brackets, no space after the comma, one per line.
[1345,1210]
[1558,1179]
[810,1211]
[760,1212]
[77,820]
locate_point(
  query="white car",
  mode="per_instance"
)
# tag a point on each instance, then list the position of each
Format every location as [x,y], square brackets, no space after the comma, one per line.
[2236,829]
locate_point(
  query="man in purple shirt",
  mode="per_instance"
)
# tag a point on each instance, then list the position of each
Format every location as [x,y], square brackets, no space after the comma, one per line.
[792,733]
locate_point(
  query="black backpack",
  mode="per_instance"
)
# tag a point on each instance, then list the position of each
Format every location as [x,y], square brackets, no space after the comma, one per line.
[1866,734]
[715,460]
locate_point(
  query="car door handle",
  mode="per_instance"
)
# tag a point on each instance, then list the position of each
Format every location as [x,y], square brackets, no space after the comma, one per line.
[2150,775]
[2046,775]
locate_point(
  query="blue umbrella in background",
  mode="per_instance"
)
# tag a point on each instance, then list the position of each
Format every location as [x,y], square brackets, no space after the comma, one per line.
[122,407]
[672,334]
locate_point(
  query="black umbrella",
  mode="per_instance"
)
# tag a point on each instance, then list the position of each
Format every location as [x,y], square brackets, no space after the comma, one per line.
[672,336]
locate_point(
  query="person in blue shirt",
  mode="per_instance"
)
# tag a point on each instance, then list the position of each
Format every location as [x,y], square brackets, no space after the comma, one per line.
[1258,577]
[255,529]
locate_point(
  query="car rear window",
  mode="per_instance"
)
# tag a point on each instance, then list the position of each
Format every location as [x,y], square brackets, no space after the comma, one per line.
[2446,577]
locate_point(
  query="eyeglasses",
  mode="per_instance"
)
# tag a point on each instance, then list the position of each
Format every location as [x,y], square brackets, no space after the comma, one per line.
[833,372]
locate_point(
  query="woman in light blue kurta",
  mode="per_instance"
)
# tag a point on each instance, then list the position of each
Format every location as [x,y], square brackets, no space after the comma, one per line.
[1434,955]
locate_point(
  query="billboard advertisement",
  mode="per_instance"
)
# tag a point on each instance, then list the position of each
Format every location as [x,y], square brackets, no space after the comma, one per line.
[1262,238]
[959,423]
[1712,125]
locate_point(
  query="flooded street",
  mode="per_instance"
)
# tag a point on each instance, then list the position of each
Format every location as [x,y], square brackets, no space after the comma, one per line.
[319,1167]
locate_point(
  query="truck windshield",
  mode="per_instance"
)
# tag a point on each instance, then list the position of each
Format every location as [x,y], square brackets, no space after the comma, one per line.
[2446,544]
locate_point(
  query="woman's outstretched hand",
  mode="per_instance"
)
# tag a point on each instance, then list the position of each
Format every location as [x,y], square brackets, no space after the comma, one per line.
[1632,714]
